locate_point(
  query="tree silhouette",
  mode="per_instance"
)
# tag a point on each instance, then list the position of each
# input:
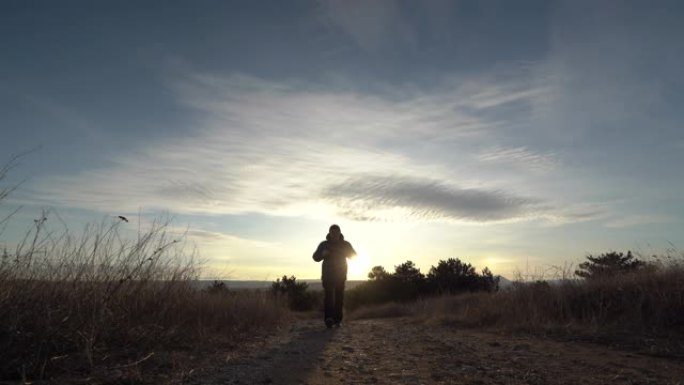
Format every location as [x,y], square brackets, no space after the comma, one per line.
[608,264]
[408,272]
[407,283]
[378,273]
[488,281]
[453,275]
[298,296]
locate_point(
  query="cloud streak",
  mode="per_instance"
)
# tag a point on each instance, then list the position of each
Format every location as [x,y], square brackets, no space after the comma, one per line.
[520,157]
[372,198]
[639,220]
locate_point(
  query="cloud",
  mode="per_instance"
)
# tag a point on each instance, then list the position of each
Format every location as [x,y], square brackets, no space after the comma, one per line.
[282,148]
[375,198]
[573,212]
[519,156]
[638,220]
[224,255]
[205,236]
[494,95]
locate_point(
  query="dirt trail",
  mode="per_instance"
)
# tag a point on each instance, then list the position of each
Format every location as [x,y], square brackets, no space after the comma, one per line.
[399,351]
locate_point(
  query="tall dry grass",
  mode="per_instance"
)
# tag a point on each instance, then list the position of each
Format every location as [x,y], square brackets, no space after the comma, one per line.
[651,300]
[638,305]
[103,301]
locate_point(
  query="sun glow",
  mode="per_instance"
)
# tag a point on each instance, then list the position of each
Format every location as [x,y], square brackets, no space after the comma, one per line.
[359,266]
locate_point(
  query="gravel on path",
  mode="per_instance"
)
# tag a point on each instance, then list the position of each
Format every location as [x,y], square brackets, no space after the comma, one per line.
[403,351]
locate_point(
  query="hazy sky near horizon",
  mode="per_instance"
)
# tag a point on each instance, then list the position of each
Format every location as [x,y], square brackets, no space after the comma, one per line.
[513,135]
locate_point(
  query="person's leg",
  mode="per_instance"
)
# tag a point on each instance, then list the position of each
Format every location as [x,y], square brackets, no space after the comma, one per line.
[329,304]
[339,301]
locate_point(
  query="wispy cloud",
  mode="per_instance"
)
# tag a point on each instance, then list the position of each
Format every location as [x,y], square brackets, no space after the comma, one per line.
[219,250]
[520,157]
[378,198]
[637,220]
[295,149]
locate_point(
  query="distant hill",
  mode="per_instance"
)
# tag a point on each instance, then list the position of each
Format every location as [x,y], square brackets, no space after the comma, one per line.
[504,282]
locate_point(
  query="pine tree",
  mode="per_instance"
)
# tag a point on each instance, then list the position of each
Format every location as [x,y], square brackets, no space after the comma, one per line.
[608,264]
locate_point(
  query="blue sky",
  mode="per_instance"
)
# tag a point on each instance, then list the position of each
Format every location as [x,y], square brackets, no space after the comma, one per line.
[508,134]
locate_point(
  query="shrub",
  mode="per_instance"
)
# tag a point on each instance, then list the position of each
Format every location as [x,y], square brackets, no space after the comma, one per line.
[377,273]
[217,288]
[407,283]
[298,296]
[453,276]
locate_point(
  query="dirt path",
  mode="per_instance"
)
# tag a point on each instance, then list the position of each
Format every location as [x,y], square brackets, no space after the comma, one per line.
[398,351]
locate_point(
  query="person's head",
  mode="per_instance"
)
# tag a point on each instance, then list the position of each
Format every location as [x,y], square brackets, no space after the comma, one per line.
[334,233]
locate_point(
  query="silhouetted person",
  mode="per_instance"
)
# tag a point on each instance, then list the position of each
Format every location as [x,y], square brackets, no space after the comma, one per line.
[334,252]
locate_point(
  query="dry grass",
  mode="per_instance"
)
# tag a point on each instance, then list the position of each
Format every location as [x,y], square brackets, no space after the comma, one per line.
[651,300]
[102,305]
[647,305]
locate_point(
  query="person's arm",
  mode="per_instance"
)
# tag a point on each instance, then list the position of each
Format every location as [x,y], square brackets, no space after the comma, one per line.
[320,252]
[351,252]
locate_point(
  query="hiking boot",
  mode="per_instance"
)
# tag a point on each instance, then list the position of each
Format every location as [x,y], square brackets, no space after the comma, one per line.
[329,322]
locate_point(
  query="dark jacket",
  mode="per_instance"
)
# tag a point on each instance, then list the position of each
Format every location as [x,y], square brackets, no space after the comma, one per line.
[334,267]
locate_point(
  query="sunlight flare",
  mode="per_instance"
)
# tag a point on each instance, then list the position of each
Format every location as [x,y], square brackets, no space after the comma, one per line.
[360,265]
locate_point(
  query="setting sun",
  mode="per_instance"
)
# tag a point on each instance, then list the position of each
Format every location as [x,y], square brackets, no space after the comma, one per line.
[359,266]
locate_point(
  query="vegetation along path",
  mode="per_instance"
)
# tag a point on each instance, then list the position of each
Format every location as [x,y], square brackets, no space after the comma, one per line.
[403,351]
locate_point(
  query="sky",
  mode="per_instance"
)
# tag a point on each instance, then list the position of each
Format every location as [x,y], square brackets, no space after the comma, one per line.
[519,135]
